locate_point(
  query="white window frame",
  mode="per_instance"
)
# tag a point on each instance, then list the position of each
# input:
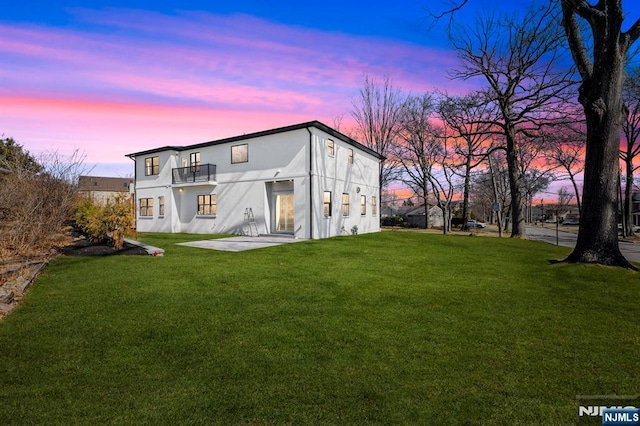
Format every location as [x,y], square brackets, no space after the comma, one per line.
[207,205]
[145,207]
[345,204]
[331,148]
[326,203]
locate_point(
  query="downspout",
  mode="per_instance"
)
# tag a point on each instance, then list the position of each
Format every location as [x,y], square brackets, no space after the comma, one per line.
[310,183]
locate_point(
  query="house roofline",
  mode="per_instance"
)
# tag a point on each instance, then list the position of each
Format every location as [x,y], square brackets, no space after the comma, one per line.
[306,125]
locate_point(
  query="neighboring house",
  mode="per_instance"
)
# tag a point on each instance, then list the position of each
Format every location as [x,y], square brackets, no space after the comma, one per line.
[417,217]
[306,180]
[414,216]
[635,208]
[104,189]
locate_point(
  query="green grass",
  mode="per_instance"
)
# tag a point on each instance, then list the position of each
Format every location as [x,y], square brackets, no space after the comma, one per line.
[390,328]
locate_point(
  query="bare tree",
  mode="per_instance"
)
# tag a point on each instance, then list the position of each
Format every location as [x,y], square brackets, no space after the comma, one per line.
[424,156]
[534,178]
[564,197]
[36,202]
[377,112]
[491,187]
[470,119]
[516,56]
[600,60]
[631,147]
[415,150]
[565,151]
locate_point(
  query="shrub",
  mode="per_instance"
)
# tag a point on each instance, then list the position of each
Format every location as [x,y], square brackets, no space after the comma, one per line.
[392,221]
[109,223]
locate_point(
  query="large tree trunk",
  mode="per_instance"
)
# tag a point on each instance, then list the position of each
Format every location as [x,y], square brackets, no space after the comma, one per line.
[598,232]
[518,229]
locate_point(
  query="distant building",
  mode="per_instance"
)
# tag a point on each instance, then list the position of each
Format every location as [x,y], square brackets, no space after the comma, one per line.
[415,216]
[104,189]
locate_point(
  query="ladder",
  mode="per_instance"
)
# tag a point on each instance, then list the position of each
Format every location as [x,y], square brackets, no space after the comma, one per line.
[250,222]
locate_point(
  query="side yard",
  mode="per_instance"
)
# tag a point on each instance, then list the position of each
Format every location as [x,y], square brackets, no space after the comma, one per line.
[394,327]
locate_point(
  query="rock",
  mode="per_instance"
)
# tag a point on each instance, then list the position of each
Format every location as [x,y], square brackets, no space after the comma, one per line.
[6,296]
[19,286]
[5,308]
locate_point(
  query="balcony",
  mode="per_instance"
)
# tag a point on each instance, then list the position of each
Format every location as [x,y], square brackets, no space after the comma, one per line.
[203,174]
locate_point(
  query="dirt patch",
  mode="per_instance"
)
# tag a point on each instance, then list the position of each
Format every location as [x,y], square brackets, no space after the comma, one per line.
[83,247]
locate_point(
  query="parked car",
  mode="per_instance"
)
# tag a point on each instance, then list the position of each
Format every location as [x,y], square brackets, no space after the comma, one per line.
[571,222]
[476,224]
[634,228]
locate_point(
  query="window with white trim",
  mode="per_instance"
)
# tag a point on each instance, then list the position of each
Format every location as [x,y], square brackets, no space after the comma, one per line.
[331,148]
[151,166]
[194,161]
[326,203]
[374,205]
[207,205]
[146,207]
[363,205]
[345,204]
[350,156]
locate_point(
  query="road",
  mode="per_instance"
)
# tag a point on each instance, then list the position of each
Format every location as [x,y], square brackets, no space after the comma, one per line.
[568,239]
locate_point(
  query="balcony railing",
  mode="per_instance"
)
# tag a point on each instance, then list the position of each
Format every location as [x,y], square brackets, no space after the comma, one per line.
[193,174]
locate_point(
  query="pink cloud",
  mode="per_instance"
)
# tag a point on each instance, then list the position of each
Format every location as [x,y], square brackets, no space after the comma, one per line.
[108,130]
[154,79]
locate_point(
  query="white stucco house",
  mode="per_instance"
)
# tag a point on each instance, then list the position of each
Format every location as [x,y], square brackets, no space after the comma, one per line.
[307,181]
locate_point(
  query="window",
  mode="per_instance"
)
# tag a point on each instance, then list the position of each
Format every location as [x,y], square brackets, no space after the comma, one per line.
[345,204]
[239,153]
[146,206]
[331,148]
[161,206]
[194,161]
[350,156]
[151,166]
[363,205]
[207,205]
[326,203]
[374,205]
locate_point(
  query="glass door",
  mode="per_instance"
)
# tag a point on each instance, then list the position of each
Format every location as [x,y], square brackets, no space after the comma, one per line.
[284,212]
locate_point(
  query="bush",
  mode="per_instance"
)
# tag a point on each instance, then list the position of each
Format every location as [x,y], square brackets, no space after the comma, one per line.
[108,224]
[392,221]
[36,200]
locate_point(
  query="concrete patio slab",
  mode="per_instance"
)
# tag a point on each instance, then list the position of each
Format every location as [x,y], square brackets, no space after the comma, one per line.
[242,243]
[153,251]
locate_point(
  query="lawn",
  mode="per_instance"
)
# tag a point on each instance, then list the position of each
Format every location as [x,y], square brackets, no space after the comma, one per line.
[389,328]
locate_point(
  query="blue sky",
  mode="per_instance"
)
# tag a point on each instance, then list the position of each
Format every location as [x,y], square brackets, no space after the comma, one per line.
[113,77]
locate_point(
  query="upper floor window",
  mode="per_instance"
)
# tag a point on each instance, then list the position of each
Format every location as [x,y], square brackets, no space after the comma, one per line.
[239,153]
[326,203]
[374,205]
[207,205]
[345,204]
[363,205]
[151,166]
[331,147]
[350,156]
[146,206]
[194,161]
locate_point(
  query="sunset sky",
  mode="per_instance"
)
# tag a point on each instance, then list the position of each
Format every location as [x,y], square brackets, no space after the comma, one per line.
[113,77]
